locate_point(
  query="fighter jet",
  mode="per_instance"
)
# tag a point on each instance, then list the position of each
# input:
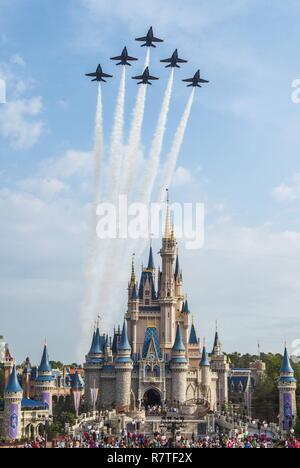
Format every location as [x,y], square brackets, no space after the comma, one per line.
[149,39]
[145,77]
[124,58]
[196,80]
[99,75]
[174,60]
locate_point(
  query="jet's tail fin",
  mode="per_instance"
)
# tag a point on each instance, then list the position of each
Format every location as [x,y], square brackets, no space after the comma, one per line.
[169,66]
[152,45]
[95,79]
[198,86]
[189,85]
[177,66]
[104,81]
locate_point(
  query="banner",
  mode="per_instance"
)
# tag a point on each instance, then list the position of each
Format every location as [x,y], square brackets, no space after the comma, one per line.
[46,398]
[13,421]
[287,411]
[94,395]
[76,395]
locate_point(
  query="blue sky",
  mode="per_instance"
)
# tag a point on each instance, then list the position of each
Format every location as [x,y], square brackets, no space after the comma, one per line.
[240,156]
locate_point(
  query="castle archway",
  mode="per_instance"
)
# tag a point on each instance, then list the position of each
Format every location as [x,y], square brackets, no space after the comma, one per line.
[152,397]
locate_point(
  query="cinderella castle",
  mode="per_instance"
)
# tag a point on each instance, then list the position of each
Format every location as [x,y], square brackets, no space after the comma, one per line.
[158,359]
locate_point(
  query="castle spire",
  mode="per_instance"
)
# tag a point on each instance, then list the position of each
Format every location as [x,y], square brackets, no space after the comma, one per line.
[13,385]
[124,343]
[286,367]
[151,265]
[204,359]
[178,345]
[45,363]
[133,275]
[168,226]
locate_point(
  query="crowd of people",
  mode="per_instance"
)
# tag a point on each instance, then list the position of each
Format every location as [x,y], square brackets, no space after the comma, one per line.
[93,438]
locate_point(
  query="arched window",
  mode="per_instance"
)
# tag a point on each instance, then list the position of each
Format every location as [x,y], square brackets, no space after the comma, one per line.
[147,371]
[157,371]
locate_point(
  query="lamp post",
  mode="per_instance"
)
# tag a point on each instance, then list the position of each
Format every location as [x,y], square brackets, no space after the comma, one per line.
[174,425]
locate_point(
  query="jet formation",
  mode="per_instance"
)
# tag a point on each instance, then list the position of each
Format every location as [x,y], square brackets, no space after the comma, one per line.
[148,41]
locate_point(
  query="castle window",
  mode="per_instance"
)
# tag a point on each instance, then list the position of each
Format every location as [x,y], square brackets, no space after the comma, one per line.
[147,293]
[147,302]
[157,371]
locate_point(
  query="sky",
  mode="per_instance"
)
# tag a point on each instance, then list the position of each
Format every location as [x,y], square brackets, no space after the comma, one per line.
[240,157]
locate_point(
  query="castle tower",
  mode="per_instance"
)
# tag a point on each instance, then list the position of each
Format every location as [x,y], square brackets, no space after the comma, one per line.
[205,373]
[26,378]
[287,395]
[186,324]
[92,367]
[178,280]
[13,396]
[124,368]
[179,369]
[9,363]
[44,381]
[167,298]
[219,364]
[133,304]
[194,348]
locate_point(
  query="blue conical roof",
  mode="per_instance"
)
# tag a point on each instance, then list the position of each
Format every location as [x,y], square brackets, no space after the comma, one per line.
[134,294]
[178,345]
[45,364]
[151,265]
[286,367]
[124,344]
[193,336]
[217,341]
[177,267]
[98,345]
[204,360]
[13,385]
[93,343]
[186,309]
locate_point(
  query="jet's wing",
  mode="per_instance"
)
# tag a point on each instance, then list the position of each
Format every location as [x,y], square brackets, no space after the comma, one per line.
[203,81]
[181,60]
[189,80]
[155,39]
[152,78]
[139,77]
[131,58]
[91,74]
[166,61]
[106,75]
[116,58]
[142,39]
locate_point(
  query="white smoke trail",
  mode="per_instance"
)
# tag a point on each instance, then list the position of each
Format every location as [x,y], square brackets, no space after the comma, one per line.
[116,149]
[87,312]
[170,165]
[131,156]
[152,164]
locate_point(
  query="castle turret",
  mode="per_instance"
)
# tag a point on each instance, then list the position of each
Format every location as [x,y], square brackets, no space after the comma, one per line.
[205,372]
[133,305]
[9,363]
[44,381]
[186,313]
[219,365]
[13,396]
[179,369]
[123,367]
[26,378]
[287,386]
[93,365]
[167,298]
[178,279]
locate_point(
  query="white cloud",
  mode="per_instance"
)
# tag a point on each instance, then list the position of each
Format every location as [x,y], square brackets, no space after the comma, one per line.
[44,186]
[19,123]
[288,192]
[182,177]
[17,59]
[72,163]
